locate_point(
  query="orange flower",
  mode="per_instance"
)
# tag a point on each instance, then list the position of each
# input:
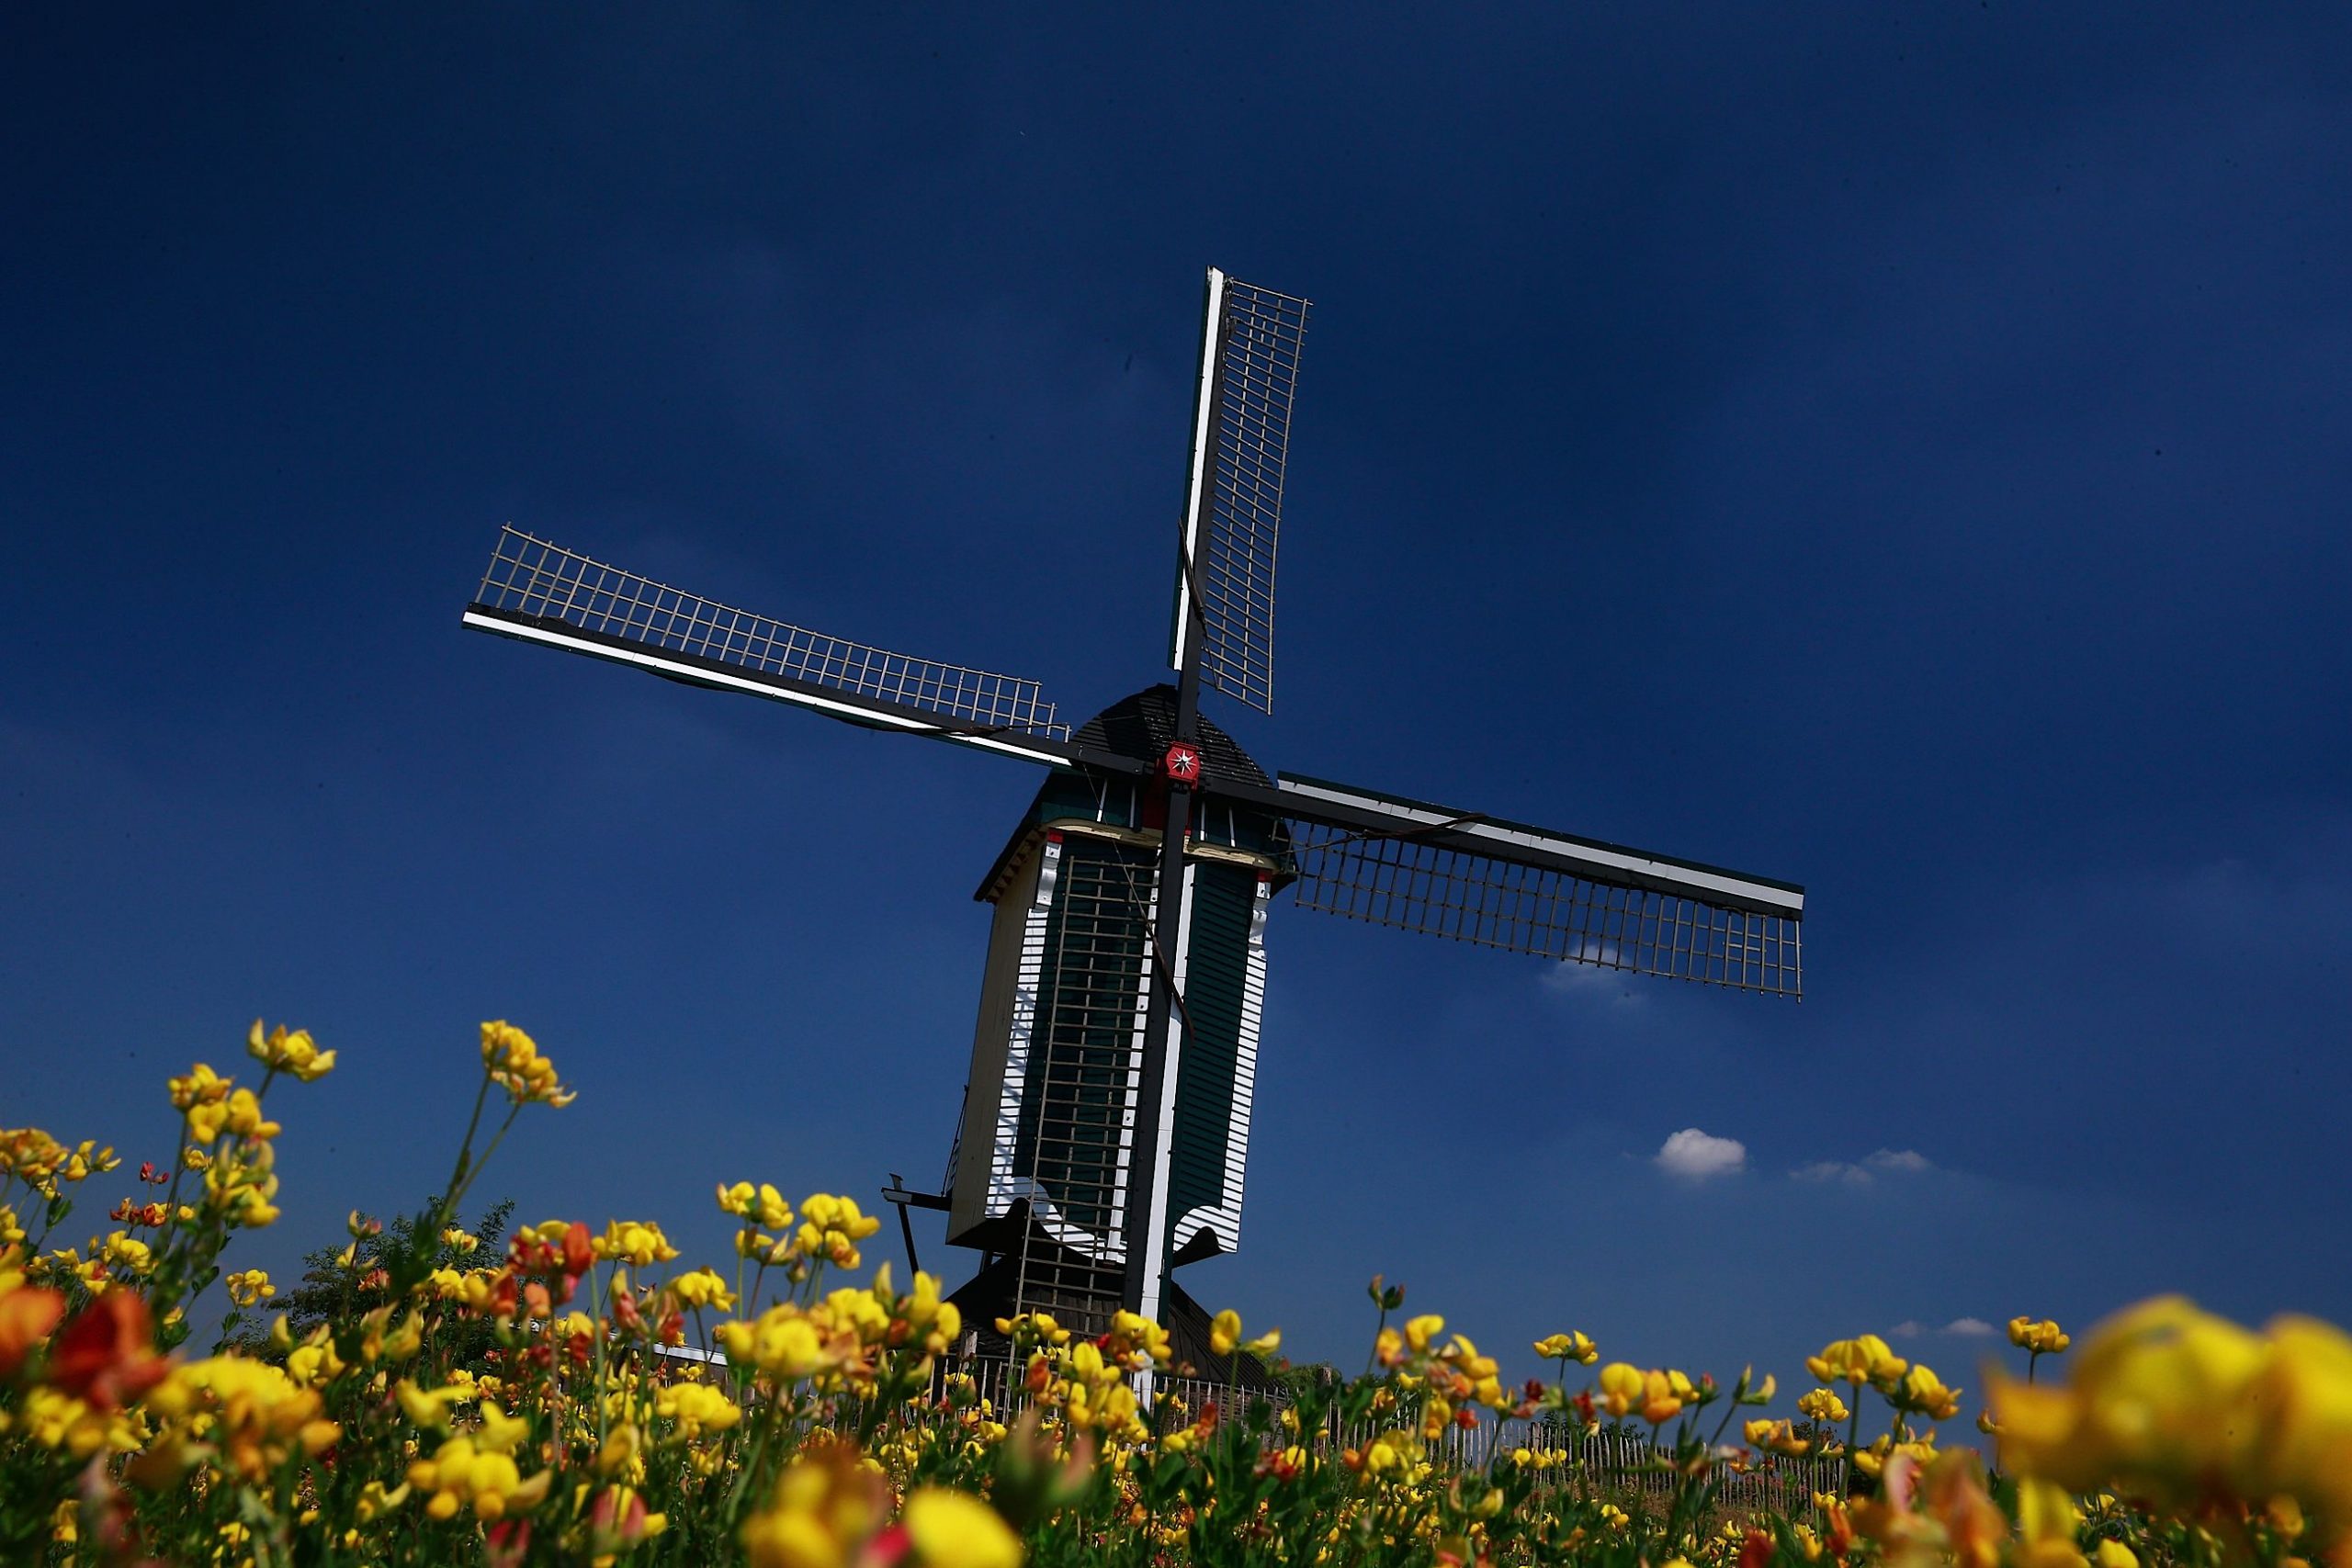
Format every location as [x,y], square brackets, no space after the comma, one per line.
[25,1317]
[106,1355]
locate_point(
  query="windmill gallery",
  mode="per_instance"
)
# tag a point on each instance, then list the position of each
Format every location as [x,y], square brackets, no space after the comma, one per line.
[1106,1128]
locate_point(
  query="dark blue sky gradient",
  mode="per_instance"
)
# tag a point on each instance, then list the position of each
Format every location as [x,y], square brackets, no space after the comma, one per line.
[1903,450]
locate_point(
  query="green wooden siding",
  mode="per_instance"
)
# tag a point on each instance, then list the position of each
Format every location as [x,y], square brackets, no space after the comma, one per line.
[1216,977]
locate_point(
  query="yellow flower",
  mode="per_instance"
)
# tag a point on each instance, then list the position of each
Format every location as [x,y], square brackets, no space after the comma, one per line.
[637,1243]
[1225,1333]
[1824,1406]
[955,1530]
[429,1408]
[126,1253]
[295,1054]
[1623,1387]
[2046,1527]
[2151,1396]
[761,1206]
[256,1415]
[460,1474]
[2114,1554]
[621,1455]
[2301,1404]
[2043,1338]
[1776,1436]
[249,1287]
[376,1501]
[1570,1346]
[927,1319]
[241,1184]
[702,1288]
[821,1515]
[1856,1361]
[498,1432]
[830,1229]
[200,1085]
[240,1113]
[1920,1391]
[782,1342]
[513,1060]
[57,1420]
[1664,1395]
[694,1408]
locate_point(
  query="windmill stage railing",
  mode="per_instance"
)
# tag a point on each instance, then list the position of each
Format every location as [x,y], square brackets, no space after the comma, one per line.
[529,576]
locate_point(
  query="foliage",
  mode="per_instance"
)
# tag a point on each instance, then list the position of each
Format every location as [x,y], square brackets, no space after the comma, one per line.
[342,1282]
[568,1395]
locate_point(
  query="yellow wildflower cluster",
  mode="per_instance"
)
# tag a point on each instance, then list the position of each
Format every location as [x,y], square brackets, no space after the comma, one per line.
[248,1413]
[1657,1395]
[294,1052]
[839,1340]
[634,1242]
[1567,1348]
[830,1228]
[1865,1359]
[41,1162]
[570,1394]
[1225,1337]
[515,1066]
[2177,1405]
[479,1471]
[1823,1405]
[2043,1338]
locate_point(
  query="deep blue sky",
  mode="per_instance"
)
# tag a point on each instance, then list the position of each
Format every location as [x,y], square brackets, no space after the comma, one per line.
[1900,449]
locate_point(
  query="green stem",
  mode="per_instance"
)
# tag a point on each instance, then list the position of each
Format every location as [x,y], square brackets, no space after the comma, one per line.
[484,1163]
[465,1152]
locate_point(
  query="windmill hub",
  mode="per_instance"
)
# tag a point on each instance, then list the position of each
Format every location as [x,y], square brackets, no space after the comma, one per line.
[1105,1126]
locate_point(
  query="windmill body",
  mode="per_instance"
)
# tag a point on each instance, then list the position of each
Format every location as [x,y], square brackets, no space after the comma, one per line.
[1046,1155]
[1104,1134]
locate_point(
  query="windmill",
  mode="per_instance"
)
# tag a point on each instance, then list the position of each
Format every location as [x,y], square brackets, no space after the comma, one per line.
[1104,1135]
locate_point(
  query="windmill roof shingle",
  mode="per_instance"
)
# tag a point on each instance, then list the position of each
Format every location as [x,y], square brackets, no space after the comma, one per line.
[1142,727]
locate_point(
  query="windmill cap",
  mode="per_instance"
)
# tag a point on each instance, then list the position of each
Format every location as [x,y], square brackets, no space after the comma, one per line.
[1144,727]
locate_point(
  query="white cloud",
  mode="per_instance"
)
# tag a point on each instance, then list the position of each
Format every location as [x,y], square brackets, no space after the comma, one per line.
[1599,974]
[1698,1155]
[1960,1327]
[1886,1162]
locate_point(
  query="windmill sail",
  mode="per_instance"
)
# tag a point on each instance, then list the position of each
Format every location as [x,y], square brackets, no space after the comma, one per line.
[1475,878]
[1250,352]
[542,593]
